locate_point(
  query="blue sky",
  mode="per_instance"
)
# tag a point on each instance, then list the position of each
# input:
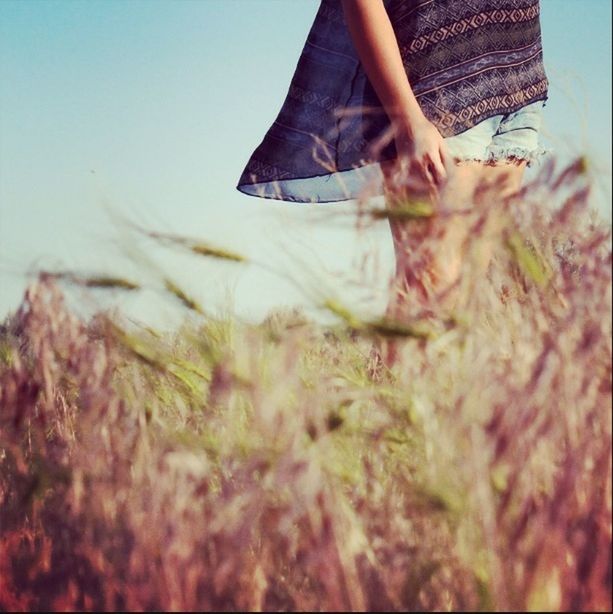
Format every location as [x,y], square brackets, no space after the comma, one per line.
[153,107]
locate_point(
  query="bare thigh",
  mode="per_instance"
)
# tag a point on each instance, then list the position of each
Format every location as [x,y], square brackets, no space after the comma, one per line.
[506,179]
[458,193]
[470,184]
[465,180]
[501,181]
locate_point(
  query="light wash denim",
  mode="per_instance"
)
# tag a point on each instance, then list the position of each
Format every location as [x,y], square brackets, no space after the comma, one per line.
[511,137]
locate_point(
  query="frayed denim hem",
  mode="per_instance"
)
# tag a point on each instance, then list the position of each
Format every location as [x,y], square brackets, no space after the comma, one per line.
[511,155]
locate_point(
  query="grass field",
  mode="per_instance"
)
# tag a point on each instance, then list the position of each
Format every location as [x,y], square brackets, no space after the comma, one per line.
[271,466]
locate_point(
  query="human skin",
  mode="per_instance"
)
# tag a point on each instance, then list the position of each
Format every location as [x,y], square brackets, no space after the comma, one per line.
[418,141]
[422,153]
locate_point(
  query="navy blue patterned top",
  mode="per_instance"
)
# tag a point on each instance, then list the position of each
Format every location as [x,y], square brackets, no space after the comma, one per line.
[466,60]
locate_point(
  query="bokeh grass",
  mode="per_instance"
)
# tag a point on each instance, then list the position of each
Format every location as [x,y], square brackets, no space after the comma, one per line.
[278,466]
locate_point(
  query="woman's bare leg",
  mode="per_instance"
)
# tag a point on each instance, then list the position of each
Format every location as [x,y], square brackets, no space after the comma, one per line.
[444,270]
[415,282]
[444,267]
[506,176]
[500,182]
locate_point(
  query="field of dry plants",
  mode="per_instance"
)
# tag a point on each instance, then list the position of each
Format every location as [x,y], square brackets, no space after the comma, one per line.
[235,466]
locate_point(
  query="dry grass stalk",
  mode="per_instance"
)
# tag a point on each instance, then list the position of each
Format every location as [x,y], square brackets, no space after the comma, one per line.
[231,466]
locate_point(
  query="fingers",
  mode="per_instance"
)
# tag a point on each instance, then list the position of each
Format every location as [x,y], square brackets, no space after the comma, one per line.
[433,170]
[420,176]
[430,175]
[446,157]
[425,172]
[440,172]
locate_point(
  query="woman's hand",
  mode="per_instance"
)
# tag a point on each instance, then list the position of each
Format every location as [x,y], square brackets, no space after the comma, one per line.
[421,150]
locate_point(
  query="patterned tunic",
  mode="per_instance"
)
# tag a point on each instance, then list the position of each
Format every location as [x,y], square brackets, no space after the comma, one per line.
[466,61]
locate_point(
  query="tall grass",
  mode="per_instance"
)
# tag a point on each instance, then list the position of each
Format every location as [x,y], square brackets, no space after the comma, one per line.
[235,466]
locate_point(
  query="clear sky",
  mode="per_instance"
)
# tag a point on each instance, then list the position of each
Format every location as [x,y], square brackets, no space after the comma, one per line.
[152,108]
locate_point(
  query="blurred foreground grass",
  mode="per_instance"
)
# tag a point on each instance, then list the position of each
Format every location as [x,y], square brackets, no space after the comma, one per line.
[234,466]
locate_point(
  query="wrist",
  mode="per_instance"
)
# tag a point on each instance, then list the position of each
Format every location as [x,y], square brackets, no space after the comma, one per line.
[411,121]
[406,111]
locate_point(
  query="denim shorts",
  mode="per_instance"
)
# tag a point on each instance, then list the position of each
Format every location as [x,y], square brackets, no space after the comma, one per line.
[513,137]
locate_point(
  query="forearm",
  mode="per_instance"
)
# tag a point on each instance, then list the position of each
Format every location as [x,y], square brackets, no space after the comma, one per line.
[377,48]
